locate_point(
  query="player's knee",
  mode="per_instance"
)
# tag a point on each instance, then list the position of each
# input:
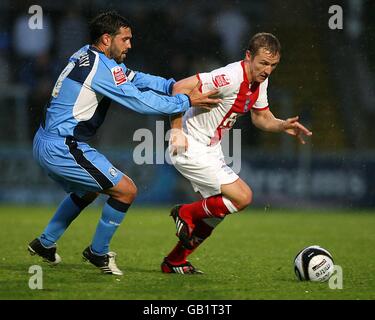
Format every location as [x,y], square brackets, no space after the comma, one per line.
[128,192]
[125,191]
[132,190]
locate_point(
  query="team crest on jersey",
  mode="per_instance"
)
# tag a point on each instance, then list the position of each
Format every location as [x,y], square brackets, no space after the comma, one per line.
[221,80]
[246,107]
[247,102]
[118,75]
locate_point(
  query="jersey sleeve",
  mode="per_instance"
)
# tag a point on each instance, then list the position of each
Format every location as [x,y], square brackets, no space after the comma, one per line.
[145,81]
[219,79]
[262,101]
[110,80]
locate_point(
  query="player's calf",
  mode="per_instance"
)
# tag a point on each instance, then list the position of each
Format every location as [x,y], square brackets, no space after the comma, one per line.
[242,201]
[236,196]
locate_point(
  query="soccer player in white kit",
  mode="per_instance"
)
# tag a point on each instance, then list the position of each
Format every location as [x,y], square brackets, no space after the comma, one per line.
[242,88]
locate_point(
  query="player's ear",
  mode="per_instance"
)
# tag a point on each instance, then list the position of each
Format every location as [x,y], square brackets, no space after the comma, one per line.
[106,39]
[248,55]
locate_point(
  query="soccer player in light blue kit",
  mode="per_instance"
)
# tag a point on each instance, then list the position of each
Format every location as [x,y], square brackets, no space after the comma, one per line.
[95,76]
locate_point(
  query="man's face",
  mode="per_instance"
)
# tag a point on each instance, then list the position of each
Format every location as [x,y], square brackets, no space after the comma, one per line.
[120,45]
[262,64]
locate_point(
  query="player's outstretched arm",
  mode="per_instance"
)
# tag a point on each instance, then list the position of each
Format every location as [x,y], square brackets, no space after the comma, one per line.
[148,101]
[265,120]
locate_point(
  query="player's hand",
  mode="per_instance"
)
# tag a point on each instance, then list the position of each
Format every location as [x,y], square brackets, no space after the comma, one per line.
[292,127]
[178,142]
[203,100]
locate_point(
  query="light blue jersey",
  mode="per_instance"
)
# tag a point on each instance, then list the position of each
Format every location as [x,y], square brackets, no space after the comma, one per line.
[78,106]
[88,84]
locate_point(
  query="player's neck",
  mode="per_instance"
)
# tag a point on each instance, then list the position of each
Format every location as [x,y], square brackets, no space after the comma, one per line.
[247,71]
[100,47]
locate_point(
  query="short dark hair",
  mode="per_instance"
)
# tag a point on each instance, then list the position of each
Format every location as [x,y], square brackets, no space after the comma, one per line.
[266,41]
[107,22]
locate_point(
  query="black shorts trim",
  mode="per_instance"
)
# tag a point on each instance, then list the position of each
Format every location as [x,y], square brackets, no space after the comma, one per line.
[93,171]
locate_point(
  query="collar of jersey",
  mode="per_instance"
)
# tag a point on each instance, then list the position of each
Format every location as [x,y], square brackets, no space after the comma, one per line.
[92,48]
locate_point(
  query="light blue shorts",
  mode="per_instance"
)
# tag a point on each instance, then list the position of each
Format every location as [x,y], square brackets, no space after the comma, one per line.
[76,166]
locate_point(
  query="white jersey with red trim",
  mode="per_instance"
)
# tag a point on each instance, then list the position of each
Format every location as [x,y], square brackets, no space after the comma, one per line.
[238,97]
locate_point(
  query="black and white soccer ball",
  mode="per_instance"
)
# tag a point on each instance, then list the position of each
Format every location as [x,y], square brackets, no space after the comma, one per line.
[313,263]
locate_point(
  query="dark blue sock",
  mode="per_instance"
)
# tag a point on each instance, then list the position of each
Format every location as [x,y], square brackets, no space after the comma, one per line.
[68,210]
[113,213]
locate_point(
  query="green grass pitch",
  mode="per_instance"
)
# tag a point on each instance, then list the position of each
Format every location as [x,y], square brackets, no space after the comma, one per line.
[249,256]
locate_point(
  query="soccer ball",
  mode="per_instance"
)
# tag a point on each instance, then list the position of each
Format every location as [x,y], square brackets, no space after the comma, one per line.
[313,263]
